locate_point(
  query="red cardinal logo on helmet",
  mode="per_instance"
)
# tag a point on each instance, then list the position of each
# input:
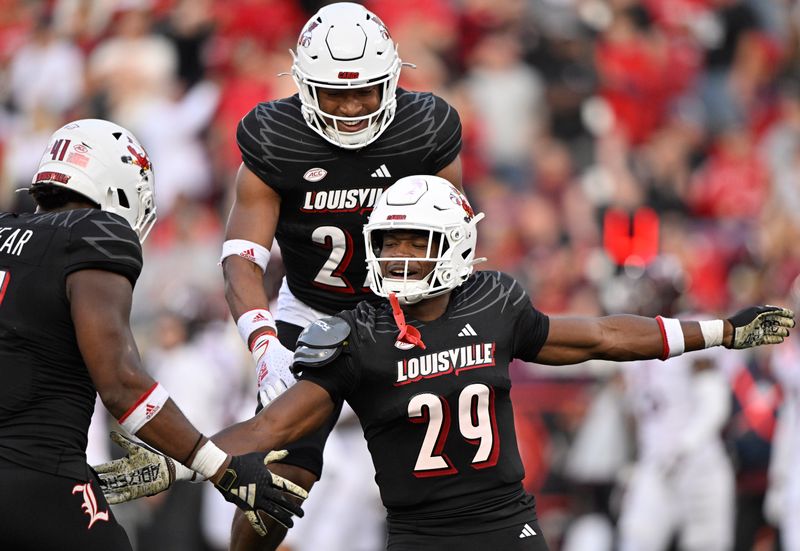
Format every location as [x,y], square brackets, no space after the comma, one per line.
[139,159]
[384,30]
[460,200]
[305,36]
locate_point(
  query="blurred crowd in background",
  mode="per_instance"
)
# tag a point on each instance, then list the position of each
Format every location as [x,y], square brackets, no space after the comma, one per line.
[630,156]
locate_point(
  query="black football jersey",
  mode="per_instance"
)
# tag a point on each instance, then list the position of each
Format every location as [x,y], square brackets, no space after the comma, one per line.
[328,192]
[439,421]
[47,397]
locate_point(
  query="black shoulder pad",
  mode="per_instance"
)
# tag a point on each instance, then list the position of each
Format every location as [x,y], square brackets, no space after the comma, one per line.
[320,343]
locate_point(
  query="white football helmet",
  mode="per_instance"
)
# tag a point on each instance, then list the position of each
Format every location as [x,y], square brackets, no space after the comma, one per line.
[105,163]
[431,204]
[346,46]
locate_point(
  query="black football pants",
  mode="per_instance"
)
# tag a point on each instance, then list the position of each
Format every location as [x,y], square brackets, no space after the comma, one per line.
[44,512]
[525,537]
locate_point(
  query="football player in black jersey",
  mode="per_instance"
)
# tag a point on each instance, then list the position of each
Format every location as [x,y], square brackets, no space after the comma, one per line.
[313,167]
[67,273]
[427,373]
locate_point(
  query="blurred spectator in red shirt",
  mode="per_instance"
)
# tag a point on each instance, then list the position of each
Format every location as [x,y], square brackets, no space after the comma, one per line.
[640,72]
[733,182]
[250,77]
[274,23]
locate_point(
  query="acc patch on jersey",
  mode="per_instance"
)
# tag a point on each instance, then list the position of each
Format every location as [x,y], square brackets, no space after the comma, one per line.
[315,174]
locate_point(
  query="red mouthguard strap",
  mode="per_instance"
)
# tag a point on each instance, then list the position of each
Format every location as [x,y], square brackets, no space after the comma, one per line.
[408,333]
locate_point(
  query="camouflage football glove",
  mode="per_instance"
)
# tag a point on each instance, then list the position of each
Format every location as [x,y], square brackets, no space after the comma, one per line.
[142,472]
[248,484]
[759,325]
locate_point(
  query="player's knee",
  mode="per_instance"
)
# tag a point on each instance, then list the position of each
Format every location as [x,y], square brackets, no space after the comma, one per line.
[244,538]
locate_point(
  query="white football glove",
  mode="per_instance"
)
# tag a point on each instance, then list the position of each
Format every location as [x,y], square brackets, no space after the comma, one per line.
[273,368]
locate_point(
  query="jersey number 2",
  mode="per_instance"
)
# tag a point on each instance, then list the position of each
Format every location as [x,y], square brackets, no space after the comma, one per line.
[331,275]
[476,422]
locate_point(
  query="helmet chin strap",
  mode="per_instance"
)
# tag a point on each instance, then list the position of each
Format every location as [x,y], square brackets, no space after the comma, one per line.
[347,138]
[413,290]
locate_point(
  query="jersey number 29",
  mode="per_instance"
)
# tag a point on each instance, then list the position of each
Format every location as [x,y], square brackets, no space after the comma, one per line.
[476,422]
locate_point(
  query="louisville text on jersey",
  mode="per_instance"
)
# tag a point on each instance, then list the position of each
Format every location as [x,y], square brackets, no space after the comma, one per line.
[341,200]
[451,361]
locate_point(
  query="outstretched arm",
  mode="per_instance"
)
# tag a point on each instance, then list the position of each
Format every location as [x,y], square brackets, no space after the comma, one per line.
[629,337]
[296,413]
[620,338]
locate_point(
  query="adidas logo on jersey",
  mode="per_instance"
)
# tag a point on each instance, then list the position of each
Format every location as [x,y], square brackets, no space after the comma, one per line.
[381,172]
[455,361]
[468,331]
[527,531]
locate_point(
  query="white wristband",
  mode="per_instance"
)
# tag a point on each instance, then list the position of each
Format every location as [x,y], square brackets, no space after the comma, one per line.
[185,473]
[672,335]
[146,407]
[249,250]
[713,331]
[252,320]
[208,459]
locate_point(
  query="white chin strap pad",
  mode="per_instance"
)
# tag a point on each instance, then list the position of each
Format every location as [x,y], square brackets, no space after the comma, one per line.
[408,291]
